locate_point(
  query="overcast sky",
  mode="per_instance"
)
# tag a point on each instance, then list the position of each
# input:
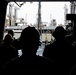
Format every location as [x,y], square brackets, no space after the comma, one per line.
[49,10]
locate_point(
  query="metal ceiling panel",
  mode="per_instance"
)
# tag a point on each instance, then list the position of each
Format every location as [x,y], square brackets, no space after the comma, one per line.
[37,0]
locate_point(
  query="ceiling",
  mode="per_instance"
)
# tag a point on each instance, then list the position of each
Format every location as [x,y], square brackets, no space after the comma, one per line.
[38,0]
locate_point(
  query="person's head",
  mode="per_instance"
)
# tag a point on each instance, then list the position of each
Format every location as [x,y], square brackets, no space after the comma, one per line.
[59,33]
[11,32]
[8,39]
[29,40]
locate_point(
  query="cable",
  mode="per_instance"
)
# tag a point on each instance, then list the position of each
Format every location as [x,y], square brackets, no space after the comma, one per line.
[20,4]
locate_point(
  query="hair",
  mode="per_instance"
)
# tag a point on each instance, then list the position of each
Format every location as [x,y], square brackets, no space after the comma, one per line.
[8,39]
[11,32]
[59,32]
[29,38]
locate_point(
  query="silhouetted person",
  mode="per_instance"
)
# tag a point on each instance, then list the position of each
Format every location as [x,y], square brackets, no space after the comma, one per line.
[60,50]
[15,42]
[29,63]
[11,33]
[7,52]
[73,70]
[70,36]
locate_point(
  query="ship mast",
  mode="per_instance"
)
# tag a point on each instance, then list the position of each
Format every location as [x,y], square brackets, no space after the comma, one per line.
[10,14]
[65,12]
[39,17]
[39,20]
